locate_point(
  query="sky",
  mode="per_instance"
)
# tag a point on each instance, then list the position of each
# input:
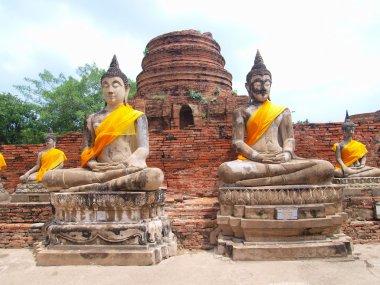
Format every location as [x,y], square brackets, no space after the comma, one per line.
[323,55]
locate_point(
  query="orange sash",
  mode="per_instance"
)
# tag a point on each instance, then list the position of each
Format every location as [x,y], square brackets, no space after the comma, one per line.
[50,160]
[350,153]
[118,123]
[2,161]
[260,121]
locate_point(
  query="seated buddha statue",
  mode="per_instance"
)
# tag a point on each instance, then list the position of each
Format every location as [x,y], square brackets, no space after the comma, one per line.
[3,164]
[266,155]
[48,159]
[115,146]
[350,155]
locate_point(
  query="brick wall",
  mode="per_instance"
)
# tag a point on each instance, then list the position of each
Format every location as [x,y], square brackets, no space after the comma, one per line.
[190,159]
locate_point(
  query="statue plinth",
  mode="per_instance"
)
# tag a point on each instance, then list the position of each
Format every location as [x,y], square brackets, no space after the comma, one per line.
[282,222]
[30,192]
[107,228]
[359,186]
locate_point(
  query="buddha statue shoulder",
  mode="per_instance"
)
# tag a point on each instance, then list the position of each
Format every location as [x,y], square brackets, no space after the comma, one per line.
[350,155]
[48,159]
[264,139]
[115,146]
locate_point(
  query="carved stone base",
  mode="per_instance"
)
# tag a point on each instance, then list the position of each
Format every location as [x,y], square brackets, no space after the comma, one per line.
[279,219]
[237,249]
[359,186]
[107,228]
[30,192]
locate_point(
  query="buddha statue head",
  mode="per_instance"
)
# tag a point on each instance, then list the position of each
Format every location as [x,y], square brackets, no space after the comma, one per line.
[115,84]
[50,139]
[348,126]
[258,81]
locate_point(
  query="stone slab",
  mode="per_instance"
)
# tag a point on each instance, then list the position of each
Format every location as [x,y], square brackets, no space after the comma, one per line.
[237,250]
[105,256]
[30,197]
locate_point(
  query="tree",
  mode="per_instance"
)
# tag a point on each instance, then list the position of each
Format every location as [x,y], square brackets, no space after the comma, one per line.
[19,121]
[56,102]
[64,102]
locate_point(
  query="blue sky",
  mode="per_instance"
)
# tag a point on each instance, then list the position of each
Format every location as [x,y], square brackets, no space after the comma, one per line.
[324,55]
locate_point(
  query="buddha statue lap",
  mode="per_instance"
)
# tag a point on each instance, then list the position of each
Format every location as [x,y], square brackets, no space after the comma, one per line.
[351,155]
[266,156]
[116,146]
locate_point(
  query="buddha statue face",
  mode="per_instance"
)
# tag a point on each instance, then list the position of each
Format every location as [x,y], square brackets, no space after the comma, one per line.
[348,131]
[114,91]
[259,87]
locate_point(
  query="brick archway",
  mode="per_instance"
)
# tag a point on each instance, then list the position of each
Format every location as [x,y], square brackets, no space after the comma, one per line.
[186,117]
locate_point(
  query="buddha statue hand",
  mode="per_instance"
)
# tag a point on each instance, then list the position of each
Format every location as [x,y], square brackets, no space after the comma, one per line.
[104,166]
[347,171]
[273,158]
[24,178]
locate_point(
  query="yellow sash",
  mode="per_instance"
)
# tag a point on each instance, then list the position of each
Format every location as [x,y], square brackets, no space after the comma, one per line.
[350,153]
[119,122]
[2,161]
[50,160]
[260,121]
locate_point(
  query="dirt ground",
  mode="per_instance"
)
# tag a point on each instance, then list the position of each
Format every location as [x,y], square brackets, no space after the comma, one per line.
[198,267]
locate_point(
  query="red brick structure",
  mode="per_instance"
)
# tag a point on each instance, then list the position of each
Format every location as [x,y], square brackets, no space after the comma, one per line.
[183,80]
[190,159]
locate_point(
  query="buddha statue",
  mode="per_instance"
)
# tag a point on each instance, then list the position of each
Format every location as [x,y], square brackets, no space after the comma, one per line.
[115,146]
[3,164]
[4,196]
[48,159]
[351,155]
[266,156]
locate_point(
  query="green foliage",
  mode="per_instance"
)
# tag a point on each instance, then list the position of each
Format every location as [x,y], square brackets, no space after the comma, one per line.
[18,121]
[146,51]
[56,102]
[196,95]
[303,122]
[160,96]
[133,91]
[217,91]
[234,92]
[65,102]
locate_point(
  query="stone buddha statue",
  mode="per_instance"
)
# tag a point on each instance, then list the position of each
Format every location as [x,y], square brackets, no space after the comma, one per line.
[115,146]
[266,155]
[351,155]
[3,194]
[2,162]
[48,159]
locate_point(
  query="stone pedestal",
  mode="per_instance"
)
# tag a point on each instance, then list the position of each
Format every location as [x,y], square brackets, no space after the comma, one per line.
[282,222]
[107,228]
[4,196]
[359,186]
[30,192]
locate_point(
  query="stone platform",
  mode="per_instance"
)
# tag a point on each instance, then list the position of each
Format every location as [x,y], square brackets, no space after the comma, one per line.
[282,222]
[359,186]
[107,228]
[30,192]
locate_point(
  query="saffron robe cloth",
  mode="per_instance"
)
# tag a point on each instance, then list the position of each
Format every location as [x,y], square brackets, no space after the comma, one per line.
[120,121]
[2,161]
[260,121]
[350,153]
[50,160]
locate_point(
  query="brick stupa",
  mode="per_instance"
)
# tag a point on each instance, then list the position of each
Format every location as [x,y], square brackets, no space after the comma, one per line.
[183,80]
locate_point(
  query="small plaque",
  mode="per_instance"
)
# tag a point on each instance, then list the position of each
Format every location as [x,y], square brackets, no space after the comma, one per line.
[377,209]
[101,216]
[286,213]
[34,198]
